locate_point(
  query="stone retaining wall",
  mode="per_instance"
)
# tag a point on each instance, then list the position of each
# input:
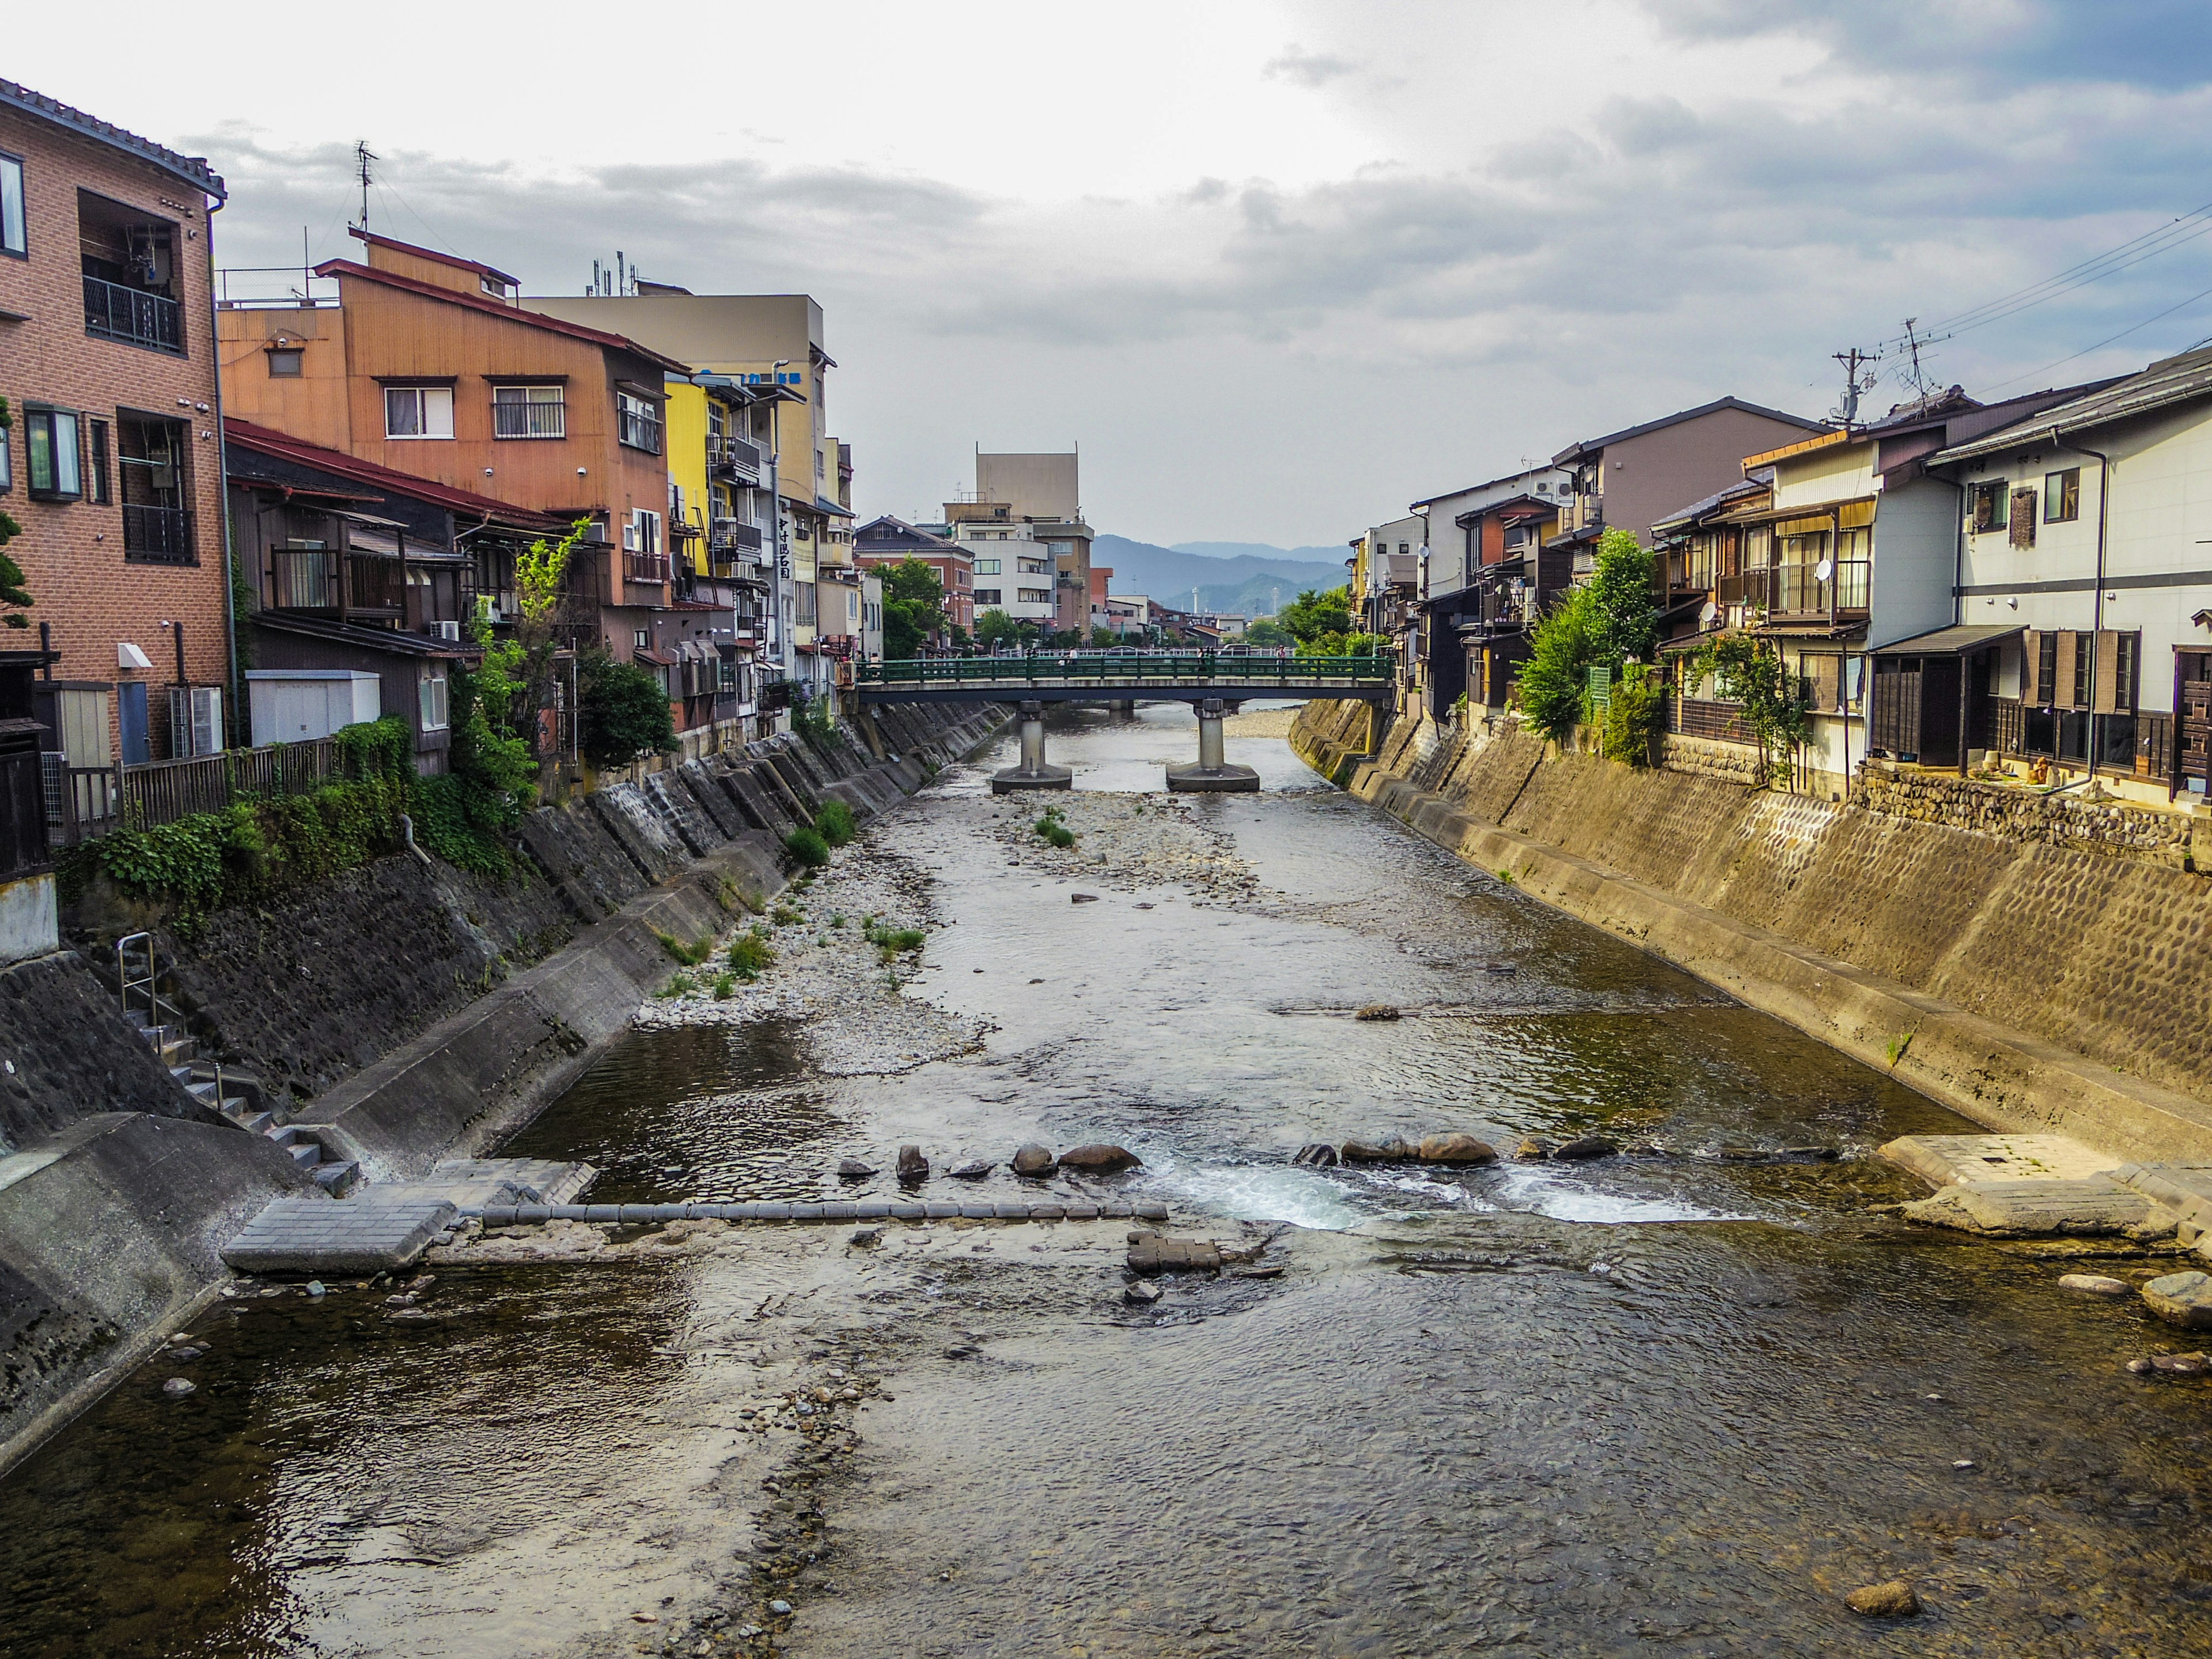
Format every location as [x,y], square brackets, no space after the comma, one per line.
[2067,821]
[2065,981]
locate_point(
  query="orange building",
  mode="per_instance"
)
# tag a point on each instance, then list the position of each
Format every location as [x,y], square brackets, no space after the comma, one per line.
[425,363]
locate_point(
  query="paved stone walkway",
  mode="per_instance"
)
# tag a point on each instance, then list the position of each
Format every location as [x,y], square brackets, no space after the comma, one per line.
[371,1232]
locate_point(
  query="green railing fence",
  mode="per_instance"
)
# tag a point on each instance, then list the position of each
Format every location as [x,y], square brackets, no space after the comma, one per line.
[1059,667]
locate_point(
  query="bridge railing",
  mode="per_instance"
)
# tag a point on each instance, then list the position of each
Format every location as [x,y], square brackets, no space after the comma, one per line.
[1196,665]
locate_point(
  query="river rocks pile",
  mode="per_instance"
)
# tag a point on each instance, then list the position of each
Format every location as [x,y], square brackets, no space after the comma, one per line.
[1452,1148]
[1125,842]
[1030,1162]
[828,979]
[2183,1299]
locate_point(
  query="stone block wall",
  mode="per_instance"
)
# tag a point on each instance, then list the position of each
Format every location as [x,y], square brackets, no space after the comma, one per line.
[2070,821]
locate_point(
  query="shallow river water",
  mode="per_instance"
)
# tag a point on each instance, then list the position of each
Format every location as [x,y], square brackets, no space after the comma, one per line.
[1672,1404]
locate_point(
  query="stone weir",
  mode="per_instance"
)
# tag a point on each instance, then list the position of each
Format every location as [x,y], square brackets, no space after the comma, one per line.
[398,1018]
[2033,988]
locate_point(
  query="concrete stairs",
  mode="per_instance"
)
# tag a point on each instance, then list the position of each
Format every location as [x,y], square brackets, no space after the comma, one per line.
[241,1098]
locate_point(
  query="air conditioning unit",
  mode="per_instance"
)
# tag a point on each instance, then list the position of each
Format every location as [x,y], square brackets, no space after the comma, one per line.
[195,720]
[447,630]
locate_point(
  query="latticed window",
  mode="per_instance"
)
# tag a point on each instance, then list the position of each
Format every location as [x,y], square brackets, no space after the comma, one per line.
[529,412]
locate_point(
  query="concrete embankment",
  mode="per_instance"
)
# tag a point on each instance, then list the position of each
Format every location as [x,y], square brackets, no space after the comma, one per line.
[406,1012]
[2031,987]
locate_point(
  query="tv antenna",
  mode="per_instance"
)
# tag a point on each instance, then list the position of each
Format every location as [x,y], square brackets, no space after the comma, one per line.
[363,156]
[1858,379]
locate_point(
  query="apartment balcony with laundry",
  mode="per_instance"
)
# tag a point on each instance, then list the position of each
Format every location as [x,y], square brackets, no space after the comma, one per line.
[132,291]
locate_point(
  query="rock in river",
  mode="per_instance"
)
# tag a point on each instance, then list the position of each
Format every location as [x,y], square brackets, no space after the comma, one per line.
[2184,1299]
[1378,1010]
[851,1169]
[177,1388]
[975,1170]
[1376,1152]
[2094,1284]
[1532,1150]
[1033,1160]
[912,1165]
[1316,1155]
[1100,1159]
[1458,1149]
[1587,1146]
[1894,1600]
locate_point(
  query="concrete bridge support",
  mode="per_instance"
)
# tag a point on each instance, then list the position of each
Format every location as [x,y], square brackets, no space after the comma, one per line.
[1212,774]
[1034,772]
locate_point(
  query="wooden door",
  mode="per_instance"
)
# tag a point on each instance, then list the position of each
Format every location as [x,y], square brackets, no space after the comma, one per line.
[2196,734]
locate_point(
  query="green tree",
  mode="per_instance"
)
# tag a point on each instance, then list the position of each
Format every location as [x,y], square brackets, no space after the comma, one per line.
[14,596]
[914,607]
[541,573]
[624,712]
[1561,650]
[1751,673]
[1313,614]
[1268,635]
[995,627]
[1624,595]
[1104,639]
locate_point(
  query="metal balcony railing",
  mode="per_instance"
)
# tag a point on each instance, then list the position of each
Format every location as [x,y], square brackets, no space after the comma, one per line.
[731,454]
[303,578]
[514,418]
[734,535]
[159,535]
[644,567]
[1799,592]
[113,312]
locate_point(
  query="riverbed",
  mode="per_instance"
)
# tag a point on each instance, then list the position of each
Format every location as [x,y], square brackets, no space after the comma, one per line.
[1676,1402]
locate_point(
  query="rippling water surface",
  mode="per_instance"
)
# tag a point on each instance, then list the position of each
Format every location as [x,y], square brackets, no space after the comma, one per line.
[1673,1403]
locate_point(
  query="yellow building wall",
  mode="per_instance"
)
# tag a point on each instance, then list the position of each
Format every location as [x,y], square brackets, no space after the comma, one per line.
[1841,474]
[683,446]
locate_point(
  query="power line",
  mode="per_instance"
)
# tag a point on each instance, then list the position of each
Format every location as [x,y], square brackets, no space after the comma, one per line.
[2101,345]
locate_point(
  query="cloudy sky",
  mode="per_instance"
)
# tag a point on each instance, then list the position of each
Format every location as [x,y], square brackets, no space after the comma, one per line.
[1279,266]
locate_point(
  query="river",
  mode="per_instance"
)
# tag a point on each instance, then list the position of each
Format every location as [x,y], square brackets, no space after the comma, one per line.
[1674,1403]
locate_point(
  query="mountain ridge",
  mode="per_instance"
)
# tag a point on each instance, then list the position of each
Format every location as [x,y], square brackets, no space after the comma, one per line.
[1253,580]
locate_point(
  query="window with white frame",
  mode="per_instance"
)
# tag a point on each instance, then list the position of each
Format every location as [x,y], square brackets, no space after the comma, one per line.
[529,412]
[432,689]
[987,567]
[639,421]
[1035,596]
[418,411]
[11,207]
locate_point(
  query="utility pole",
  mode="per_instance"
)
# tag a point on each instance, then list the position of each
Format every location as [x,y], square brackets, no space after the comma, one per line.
[1853,361]
[362,156]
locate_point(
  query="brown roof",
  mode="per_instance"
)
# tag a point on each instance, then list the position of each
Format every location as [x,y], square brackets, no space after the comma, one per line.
[261,439]
[374,239]
[191,171]
[497,308]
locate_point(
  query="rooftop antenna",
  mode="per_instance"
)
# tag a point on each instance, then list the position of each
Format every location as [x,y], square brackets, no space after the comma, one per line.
[1855,384]
[622,274]
[1914,378]
[362,156]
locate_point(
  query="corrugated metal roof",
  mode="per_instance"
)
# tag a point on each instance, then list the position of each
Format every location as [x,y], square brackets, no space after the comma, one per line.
[244,435]
[2175,380]
[492,307]
[1591,446]
[1949,642]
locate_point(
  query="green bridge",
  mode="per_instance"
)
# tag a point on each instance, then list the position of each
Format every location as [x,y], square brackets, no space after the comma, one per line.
[1214,681]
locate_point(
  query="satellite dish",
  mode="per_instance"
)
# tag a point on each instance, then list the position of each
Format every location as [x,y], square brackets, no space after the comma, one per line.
[1823,570]
[1711,614]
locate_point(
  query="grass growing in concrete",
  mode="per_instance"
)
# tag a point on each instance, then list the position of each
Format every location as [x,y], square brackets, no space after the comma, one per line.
[807,846]
[689,954]
[786,916]
[1898,1045]
[679,984]
[834,822]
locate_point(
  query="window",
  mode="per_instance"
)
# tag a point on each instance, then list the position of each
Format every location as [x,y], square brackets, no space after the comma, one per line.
[1033,567]
[2128,650]
[433,689]
[418,411]
[284,362]
[1035,596]
[987,567]
[1986,505]
[2082,643]
[131,285]
[529,412]
[639,422]
[95,450]
[987,596]
[153,455]
[7,463]
[2046,670]
[641,640]
[2061,495]
[11,207]
[50,440]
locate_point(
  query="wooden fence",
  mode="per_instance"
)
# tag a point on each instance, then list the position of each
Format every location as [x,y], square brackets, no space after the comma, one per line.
[86,801]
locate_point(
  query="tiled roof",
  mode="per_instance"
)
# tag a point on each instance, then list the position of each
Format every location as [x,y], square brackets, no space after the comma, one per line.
[244,435]
[2177,379]
[191,171]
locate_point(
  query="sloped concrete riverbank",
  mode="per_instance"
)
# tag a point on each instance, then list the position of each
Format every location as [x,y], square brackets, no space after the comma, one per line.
[110,1229]
[2031,987]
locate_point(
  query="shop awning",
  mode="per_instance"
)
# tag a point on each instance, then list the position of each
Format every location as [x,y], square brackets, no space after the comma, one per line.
[1950,642]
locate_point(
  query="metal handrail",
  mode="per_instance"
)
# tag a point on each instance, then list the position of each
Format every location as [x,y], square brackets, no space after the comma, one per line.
[146,981]
[1203,666]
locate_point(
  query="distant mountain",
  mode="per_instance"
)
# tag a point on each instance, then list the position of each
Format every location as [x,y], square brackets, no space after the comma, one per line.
[1248,582]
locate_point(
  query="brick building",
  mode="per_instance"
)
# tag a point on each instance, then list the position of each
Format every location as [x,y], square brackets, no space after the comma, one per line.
[113,466]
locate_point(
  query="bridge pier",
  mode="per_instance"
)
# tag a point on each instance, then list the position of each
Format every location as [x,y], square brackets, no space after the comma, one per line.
[1212,774]
[1035,772]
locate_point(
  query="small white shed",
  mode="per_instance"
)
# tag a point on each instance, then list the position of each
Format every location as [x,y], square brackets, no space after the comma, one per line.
[292,705]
